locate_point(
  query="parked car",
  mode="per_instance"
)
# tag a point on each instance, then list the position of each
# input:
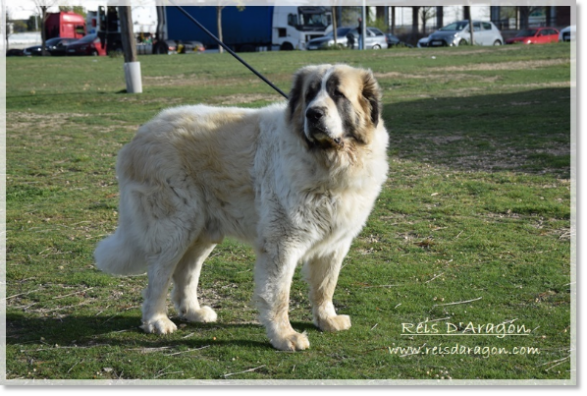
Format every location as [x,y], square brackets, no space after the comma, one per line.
[567,34]
[457,33]
[87,45]
[542,35]
[55,46]
[177,47]
[14,52]
[394,41]
[423,42]
[375,39]
[60,48]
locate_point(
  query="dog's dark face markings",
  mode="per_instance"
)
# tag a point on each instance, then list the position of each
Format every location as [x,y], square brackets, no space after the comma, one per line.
[332,107]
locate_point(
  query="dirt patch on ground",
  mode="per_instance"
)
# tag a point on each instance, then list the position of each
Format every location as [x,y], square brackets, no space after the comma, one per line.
[24,120]
[182,80]
[441,77]
[399,75]
[168,102]
[520,65]
[247,98]
[558,84]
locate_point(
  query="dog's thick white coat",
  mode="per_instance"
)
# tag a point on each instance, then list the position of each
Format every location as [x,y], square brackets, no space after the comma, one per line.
[195,174]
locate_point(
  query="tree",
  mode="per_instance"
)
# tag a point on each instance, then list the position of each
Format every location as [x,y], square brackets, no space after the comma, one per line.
[43,6]
[525,12]
[471,29]
[393,20]
[426,13]
[439,17]
[219,21]
[334,27]
[8,26]
[415,11]
[219,25]
[507,14]
[32,23]
[350,15]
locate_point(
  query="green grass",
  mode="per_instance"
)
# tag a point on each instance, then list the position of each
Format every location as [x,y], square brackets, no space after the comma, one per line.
[476,207]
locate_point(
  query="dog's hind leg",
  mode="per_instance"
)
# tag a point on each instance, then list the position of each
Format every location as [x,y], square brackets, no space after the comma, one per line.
[161,268]
[185,279]
[322,275]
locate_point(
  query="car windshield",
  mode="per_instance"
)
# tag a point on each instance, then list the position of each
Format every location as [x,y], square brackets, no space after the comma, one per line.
[458,26]
[87,39]
[313,19]
[526,33]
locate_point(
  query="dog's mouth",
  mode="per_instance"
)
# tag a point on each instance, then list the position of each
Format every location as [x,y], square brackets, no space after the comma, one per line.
[321,137]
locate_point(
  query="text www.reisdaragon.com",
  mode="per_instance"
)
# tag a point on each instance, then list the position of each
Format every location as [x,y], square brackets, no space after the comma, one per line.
[459,349]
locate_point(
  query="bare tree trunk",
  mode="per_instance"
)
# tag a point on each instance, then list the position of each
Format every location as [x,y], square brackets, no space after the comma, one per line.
[439,17]
[471,28]
[393,20]
[334,27]
[548,12]
[219,23]
[129,44]
[415,11]
[524,17]
[423,17]
[44,51]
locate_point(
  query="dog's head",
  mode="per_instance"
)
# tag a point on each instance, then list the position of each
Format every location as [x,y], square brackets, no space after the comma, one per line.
[333,107]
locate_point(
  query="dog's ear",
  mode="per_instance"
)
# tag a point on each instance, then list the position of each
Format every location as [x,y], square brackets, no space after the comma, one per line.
[295,95]
[372,93]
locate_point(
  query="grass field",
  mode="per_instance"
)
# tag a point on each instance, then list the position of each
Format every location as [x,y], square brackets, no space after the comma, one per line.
[476,208]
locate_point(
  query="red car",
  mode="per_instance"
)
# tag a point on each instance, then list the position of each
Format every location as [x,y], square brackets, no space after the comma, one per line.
[543,35]
[87,45]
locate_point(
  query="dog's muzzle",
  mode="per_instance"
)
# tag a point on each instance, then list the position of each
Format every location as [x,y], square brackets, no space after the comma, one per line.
[317,129]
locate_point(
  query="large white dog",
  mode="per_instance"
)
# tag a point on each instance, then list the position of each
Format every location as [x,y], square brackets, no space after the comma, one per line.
[296,180]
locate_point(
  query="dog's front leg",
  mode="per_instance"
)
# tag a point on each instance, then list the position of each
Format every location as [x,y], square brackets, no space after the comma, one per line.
[273,276]
[322,275]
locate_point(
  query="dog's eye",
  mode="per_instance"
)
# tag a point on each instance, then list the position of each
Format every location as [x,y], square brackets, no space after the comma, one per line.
[338,94]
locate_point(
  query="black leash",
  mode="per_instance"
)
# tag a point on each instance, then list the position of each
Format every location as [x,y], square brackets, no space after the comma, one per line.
[231,52]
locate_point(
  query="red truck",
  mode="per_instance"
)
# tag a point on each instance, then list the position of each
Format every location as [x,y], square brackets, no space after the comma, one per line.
[65,25]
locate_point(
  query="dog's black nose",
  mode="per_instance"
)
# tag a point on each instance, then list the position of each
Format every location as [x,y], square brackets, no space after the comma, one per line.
[315,113]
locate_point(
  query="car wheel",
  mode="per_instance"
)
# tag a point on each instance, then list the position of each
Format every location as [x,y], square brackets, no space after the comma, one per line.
[497,42]
[287,47]
[376,47]
[463,42]
[94,53]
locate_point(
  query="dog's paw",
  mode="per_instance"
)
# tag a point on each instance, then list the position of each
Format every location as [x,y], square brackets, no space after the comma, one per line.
[161,325]
[335,323]
[291,342]
[202,315]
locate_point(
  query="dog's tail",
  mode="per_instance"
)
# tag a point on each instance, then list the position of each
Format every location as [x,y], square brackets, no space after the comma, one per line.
[118,256]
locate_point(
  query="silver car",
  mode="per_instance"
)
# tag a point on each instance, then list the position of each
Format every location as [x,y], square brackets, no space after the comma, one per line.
[457,33]
[375,39]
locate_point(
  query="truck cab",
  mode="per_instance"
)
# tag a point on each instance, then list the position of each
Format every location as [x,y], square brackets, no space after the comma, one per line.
[293,27]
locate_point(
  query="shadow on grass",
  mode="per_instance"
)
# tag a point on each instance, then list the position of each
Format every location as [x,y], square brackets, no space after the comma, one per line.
[88,331]
[523,132]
